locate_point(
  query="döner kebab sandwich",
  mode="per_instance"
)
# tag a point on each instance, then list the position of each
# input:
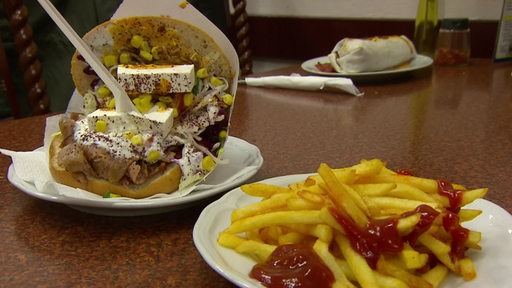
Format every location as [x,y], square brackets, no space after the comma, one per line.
[181,84]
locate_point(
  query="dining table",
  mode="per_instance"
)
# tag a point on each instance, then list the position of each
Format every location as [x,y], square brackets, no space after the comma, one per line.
[438,122]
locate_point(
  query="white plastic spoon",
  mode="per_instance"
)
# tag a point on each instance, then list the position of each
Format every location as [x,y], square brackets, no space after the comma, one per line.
[123,102]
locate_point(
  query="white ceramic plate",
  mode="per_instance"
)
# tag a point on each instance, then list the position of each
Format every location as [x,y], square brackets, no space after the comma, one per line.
[419,62]
[492,263]
[244,160]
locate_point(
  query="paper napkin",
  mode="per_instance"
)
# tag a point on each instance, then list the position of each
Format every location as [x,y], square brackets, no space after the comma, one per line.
[310,83]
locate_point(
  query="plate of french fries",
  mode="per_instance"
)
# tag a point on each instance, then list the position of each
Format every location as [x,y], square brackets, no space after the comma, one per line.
[444,234]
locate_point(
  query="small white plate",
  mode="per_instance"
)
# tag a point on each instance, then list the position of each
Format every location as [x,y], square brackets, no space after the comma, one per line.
[419,62]
[492,263]
[244,160]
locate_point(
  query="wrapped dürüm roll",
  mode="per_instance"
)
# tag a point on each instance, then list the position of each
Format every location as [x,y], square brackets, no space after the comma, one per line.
[353,55]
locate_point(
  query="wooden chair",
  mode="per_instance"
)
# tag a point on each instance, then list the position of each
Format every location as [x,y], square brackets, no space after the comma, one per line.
[6,83]
[240,38]
[38,102]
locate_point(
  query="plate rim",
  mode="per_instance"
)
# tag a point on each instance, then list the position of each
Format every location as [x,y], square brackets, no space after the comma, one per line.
[424,61]
[207,219]
[137,204]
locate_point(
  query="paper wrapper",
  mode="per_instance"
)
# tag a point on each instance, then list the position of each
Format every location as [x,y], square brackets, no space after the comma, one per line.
[32,166]
[310,83]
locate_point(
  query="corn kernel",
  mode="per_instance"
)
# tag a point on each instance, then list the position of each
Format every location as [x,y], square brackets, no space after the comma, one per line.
[188,99]
[111,104]
[153,156]
[223,134]
[228,99]
[155,51]
[136,41]
[216,81]
[136,139]
[175,113]
[143,103]
[202,73]
[111,195]
[110,60]
[161,106]
[183,4]
[146,96]
[103,91]
[144,46]
[146,55]
[101,126]
[125,58]
[128,134]
[208,163]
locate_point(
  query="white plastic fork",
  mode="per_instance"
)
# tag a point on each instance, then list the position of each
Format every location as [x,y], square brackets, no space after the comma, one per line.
[123,102]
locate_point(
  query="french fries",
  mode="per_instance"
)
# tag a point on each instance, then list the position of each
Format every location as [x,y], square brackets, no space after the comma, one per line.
[370,226]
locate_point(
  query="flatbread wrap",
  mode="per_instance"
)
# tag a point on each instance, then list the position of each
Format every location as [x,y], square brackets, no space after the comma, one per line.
[353,55]
[182,86]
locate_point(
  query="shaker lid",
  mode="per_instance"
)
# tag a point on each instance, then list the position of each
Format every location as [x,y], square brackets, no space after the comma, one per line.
[455,24]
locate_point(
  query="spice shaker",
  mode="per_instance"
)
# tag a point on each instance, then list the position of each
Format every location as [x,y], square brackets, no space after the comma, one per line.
[453,42]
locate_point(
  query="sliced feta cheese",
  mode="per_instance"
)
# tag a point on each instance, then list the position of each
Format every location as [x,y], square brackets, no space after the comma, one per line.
[156,122]
[156,79]
[161,120]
